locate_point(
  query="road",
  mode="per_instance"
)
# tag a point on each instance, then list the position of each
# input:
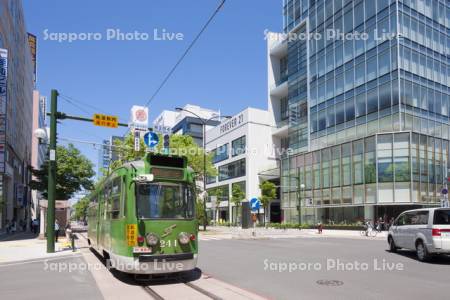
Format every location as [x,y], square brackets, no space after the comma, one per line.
[255,265]
[281,268]
[44,279]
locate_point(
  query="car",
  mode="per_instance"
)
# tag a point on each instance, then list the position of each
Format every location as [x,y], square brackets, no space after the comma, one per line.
[427,231]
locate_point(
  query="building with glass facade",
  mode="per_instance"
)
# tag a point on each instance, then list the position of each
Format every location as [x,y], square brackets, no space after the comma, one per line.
[360,93]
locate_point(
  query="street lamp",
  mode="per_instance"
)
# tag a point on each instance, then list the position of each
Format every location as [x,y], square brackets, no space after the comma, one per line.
[41,135]
[204,123]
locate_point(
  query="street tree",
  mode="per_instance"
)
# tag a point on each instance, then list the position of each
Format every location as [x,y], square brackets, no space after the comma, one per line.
[268,193]
[182,145]
[74,173]
[237,195]
[81,209]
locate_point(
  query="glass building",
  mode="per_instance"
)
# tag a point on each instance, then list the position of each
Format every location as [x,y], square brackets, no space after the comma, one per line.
[367,91]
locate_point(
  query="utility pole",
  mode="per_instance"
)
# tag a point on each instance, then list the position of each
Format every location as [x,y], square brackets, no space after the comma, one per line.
[51,189]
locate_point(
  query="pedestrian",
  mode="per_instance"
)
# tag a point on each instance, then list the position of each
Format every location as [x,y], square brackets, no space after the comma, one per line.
[320,227]
[34,226]
[8,227]
[56,230]
[13,226]
[68,231]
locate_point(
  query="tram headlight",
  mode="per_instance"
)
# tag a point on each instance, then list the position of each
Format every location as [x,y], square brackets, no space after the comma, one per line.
[152,239]
[184,238]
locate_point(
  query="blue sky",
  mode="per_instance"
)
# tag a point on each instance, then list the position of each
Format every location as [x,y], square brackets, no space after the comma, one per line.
[226,69]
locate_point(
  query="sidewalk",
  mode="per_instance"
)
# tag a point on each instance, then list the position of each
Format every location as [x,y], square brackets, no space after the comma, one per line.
[271,233]
[25,246]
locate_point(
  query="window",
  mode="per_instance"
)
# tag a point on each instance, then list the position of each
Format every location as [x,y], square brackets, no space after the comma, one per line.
[197,128]
[340,115]
[238,146]
[384,63]
[418,218]
[401,158]
[442,217]
[349,110]
[385,95]
[372,101]
[115,198]
[361,105]
[165,201]
[369,160]
[371,68]
[370,8]
[385,166]
[232,170]
[220,154]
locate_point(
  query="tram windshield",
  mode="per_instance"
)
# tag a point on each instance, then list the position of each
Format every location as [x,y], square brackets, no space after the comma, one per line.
[165,201]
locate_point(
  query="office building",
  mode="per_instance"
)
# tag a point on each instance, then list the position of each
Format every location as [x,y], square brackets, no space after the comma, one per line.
[242,148]
[16,113]
[366,120]
[189,121]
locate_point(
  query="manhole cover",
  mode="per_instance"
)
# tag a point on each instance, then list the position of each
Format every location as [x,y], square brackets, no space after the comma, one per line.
[330,282]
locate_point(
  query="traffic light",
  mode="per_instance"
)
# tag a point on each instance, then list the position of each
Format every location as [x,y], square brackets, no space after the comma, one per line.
[166,143]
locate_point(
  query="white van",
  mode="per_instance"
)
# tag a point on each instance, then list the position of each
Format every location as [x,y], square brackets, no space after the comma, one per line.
[427,231]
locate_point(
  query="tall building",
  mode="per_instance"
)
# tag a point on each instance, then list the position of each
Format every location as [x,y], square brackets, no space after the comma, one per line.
[365,120]
[107,154]
[16,111]
[38,150]
[104,158]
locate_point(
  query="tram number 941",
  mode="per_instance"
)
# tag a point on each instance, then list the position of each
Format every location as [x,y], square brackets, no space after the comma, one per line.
[168,243]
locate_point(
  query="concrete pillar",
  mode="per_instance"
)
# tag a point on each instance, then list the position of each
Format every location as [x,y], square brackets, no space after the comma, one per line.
[369,212]
[42,223]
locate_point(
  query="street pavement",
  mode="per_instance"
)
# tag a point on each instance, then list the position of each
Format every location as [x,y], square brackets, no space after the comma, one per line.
[323,268]
[222,233]
[273,265]
[37,280]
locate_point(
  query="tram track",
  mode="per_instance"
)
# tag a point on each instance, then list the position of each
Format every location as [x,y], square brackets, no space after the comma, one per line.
[157,296]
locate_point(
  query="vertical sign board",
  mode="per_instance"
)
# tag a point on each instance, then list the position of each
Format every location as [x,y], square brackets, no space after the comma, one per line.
[3,99]
[32,41]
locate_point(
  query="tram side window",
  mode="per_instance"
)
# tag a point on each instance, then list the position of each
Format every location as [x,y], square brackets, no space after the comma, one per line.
[115,198]
[124,196]
[106,199]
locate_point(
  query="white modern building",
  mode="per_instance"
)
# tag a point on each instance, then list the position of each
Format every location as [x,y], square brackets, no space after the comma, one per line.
[189,120]
[165,121]
[243,150]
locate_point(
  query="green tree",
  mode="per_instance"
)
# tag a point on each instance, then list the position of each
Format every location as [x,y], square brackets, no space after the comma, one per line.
[268,193]
[73,173]
[81,209]
[237,195]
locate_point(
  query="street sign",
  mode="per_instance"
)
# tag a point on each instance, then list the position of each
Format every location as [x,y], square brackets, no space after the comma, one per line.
[444,191]
[106,121]
[151,139]
[255,204]
[137,141]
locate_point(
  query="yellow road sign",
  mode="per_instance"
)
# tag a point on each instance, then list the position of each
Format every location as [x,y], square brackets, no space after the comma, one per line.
[106,121]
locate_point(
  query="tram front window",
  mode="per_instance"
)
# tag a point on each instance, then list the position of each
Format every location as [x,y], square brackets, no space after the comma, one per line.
[165,201]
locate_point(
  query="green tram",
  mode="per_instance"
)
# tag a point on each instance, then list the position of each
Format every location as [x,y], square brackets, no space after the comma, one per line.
[142,216]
